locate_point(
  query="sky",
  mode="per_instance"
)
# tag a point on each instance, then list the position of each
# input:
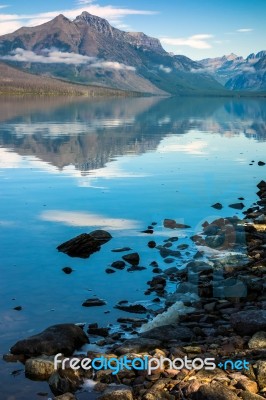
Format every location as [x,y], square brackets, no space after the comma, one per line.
[195,28]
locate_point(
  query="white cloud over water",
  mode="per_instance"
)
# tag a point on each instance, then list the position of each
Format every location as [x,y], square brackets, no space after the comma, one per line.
[76,218]
[196,41]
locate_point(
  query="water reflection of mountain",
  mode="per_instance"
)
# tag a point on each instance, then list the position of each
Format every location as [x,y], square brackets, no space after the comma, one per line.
[88,134]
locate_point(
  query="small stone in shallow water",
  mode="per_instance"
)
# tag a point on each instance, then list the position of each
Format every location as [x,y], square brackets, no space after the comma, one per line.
[121,249]
[132,308]
[151,244]
[217,206]
[261,163]
[172,224]
[149,231]
[67,270]
[18,308]
[110,271]
[118,264]
[95,302]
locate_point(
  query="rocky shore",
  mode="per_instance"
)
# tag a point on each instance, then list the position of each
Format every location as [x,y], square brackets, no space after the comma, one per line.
[217,311]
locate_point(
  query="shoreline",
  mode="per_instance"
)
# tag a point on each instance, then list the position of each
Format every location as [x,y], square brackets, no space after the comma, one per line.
[228,322]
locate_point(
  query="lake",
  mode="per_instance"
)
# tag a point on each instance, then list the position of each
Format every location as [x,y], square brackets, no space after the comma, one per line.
[70,166]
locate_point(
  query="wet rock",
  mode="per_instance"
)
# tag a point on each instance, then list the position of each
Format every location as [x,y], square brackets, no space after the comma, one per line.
[139,345]
[67,270]
[135,268]
[149,231]
[165,252]
[168,332]
[237,206]
[63,338]
[85,244]
[132,308]
[214,391]
[40,368]
[261,374]
[132,258]
[258,341]
[261,163]
[118,264]
[117,392]
[172,224]
[151,244]
[249,322]
[217,206]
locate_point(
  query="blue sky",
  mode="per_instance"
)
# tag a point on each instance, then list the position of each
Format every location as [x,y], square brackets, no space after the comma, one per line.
[195,28]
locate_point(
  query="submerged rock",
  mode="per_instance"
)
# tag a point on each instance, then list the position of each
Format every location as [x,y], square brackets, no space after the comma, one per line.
[85,244]
[63,338]
[217,206]
[132,258]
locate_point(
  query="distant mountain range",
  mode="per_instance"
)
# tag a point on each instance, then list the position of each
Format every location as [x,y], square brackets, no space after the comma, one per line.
[90,51]
[237,73]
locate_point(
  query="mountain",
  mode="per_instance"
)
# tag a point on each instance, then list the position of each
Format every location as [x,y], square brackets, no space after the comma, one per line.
[89,50]
[237,73]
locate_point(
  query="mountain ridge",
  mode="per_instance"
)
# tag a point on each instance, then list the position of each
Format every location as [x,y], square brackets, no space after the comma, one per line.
[123,60]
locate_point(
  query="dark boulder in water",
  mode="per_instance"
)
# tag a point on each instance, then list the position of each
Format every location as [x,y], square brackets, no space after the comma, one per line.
[217,206]
[132,308]
[62,338]
[94,302]
[168,332]
[132,258]
[85,244]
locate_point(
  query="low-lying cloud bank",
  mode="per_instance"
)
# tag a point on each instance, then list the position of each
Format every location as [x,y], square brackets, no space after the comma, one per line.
[54,56]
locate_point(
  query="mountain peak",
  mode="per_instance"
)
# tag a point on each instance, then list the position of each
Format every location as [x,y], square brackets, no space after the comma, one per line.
[98,23]
[231,56]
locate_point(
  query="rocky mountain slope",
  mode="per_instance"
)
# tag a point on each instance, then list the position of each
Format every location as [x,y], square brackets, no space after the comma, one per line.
[90,50]
[237,73]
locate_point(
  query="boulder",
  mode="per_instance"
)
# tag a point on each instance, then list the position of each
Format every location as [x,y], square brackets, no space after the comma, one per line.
[40,368]
[63,338]
[132,308]
[85,244]
[65,396]
[94,302]
[249,322]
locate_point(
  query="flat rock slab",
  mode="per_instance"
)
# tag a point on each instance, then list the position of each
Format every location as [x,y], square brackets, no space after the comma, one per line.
[63,338]
[214,391]
[168,332]
[249,322]
[139,345]
[172,224]
[84,245]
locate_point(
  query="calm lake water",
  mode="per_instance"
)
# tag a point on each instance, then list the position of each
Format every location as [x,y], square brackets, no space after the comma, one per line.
[71,166]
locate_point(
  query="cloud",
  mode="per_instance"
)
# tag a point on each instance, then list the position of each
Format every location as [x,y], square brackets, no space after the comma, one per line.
[245,30]
[113,14]
[75,218]
[55,56]
[3,6]
[165,69]
[195,41]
